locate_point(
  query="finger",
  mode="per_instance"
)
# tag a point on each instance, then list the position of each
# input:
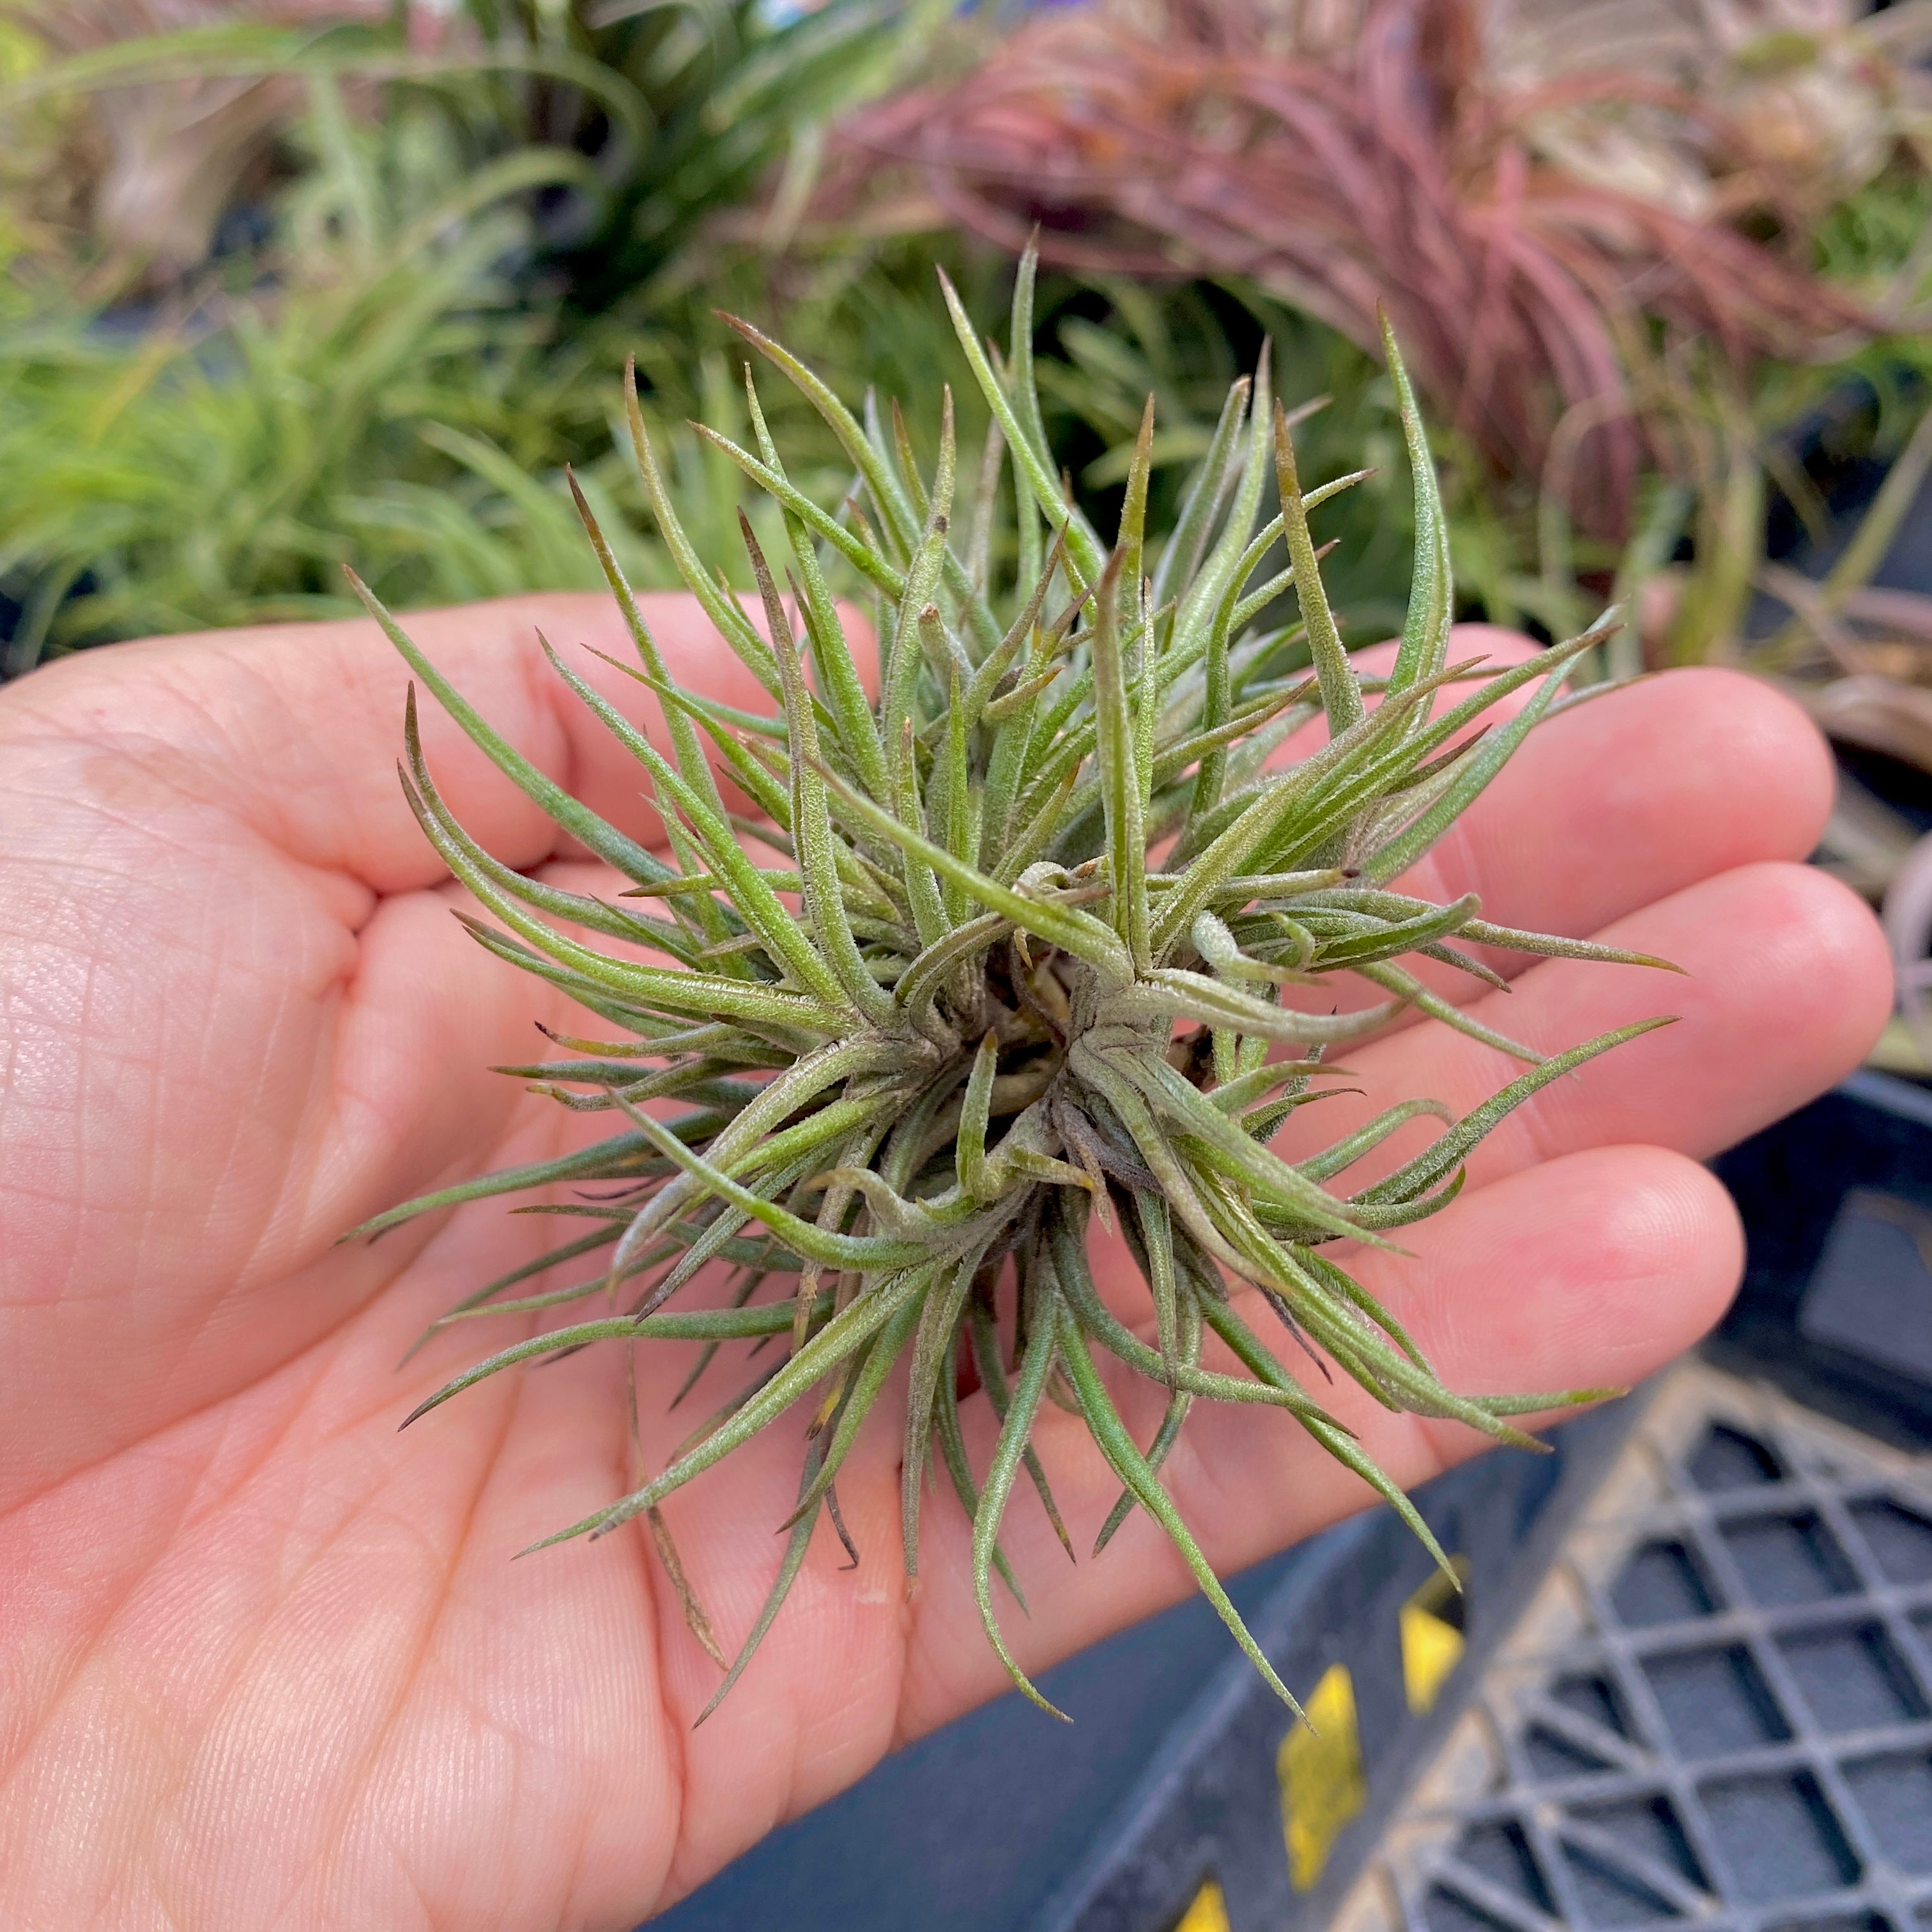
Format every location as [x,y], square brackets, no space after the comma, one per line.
[295,730]
[1633,796]
[1596,1269]
[1605,809]
[1786,984]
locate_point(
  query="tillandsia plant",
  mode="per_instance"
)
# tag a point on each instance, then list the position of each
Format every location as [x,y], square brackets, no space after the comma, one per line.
[1048,912]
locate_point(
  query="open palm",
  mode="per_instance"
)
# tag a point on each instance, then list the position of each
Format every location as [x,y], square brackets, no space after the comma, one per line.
[266,1663]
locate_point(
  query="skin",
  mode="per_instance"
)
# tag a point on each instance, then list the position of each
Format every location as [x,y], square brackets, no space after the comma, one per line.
[266,1663]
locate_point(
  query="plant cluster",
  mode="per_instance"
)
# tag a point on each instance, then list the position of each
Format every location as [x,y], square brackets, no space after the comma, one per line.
[1552,233]
[402,346]
[591,174]
[1052,940]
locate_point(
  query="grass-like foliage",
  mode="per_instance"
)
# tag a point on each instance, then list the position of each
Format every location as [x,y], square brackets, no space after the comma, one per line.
[1047,910]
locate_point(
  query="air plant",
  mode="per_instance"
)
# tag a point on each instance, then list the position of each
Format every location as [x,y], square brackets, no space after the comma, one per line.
[178,142]
[1052,943]
[1536,235]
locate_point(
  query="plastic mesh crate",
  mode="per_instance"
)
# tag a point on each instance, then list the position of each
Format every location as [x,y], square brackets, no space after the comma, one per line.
[1716,1708]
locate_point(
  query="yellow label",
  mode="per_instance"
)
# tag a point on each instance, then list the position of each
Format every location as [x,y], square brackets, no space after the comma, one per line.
[1322,1784]
[1431,1626]
[1208,1913]
[1430,1650]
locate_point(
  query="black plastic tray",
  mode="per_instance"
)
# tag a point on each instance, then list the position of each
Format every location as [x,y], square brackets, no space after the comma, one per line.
[1170,1774]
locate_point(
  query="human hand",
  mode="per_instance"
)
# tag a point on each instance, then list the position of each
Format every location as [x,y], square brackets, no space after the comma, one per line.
[264,1661]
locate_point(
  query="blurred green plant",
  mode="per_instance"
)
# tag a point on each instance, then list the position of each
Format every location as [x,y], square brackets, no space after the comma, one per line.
[1776,444]
[398,369]
[684,105]
[465,236]
[214,465]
